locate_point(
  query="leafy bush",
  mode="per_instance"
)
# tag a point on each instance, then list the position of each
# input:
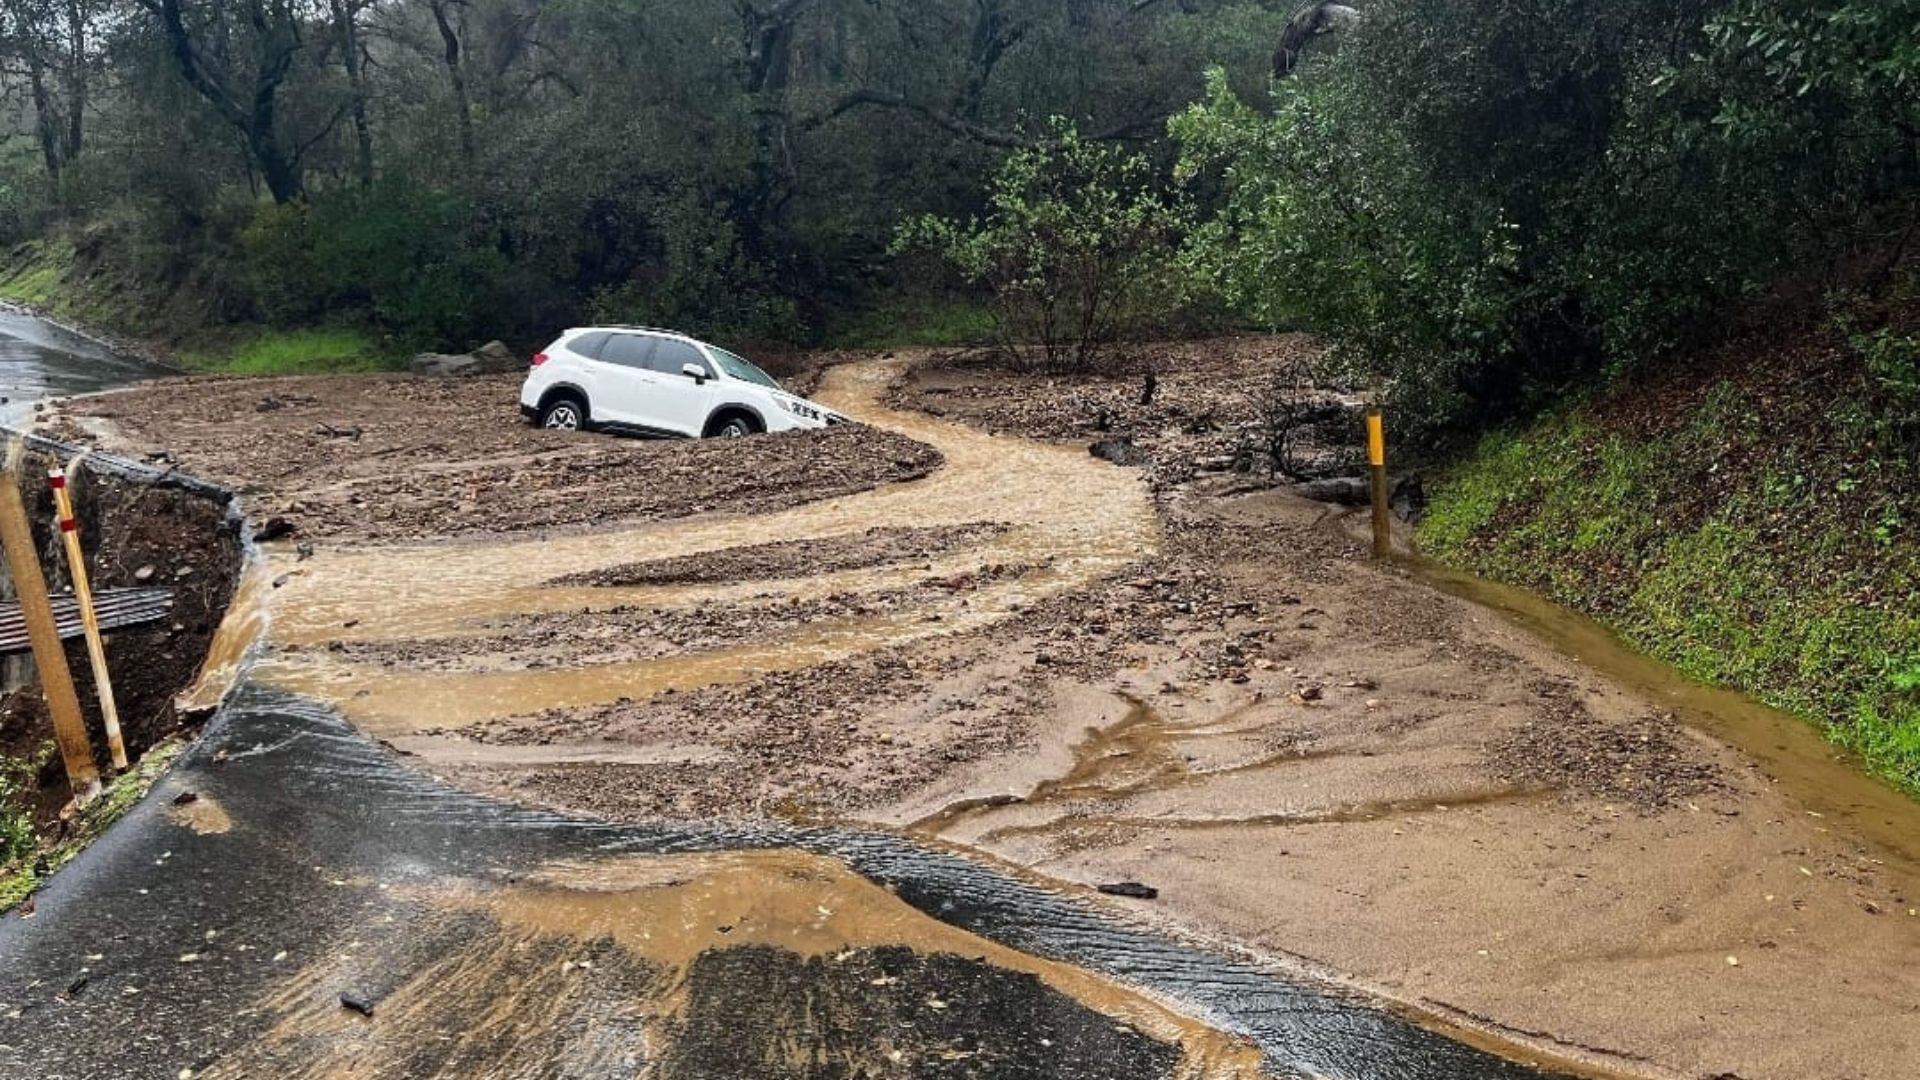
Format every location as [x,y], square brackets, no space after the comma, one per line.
[1074,251]
[408,259]
[1483,203]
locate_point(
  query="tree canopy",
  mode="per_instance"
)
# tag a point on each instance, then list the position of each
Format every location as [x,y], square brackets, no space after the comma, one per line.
[731,165]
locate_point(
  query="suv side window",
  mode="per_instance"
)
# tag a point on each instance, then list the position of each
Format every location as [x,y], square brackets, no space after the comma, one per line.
[589,345]
[672,354]
[627,350]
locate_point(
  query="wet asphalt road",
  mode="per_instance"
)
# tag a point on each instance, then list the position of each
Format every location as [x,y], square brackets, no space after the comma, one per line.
[40,360]
[294,901]
[156,951]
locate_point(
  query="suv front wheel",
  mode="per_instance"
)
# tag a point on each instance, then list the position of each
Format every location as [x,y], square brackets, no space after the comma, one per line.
[733,423]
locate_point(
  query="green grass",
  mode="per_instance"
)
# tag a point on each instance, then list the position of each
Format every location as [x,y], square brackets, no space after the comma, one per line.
[36,273]
[297,352]
[915,322]
[33,274]
[19,879]
[1736,544]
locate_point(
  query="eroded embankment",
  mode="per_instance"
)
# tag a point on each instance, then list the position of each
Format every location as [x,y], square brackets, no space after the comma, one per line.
[137,531]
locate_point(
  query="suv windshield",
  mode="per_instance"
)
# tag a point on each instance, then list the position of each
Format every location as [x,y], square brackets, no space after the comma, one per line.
[738,367]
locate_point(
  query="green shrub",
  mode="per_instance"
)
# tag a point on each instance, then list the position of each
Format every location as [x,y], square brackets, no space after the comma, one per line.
[404,258]
[1075,249]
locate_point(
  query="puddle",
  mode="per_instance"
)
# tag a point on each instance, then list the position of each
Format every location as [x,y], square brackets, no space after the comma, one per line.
[1074,517]
[1822,778]
[203,816]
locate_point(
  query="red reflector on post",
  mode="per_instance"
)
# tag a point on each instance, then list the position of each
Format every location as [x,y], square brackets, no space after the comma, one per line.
[538,359]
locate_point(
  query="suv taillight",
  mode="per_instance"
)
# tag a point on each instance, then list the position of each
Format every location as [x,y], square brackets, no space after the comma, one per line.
[538,359]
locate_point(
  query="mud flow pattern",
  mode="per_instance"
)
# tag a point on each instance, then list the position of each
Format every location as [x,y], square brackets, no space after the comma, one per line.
[222,934]
[293,901]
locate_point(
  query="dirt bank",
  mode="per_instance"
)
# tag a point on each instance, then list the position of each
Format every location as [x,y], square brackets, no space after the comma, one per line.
[1108,674]
[134,535]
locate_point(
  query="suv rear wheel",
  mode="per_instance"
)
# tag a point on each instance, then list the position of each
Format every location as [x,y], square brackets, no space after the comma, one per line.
[563,414]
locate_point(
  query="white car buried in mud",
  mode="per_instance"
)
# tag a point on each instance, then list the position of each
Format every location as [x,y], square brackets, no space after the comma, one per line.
[657,382]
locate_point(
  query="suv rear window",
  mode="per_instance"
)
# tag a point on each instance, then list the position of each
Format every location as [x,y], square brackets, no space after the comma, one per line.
[588,345]
[670,355]
[627,350]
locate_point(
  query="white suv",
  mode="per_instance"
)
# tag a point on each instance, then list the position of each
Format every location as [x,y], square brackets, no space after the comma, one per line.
[657,382]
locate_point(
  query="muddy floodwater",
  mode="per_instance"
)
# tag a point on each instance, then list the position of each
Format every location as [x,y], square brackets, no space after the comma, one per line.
[1819,776]
[1070,519]
[293,900]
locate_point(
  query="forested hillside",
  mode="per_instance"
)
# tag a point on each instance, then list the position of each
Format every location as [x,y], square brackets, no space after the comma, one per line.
[445,171]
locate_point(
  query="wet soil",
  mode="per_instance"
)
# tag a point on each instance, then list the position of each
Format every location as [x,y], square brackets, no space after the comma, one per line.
[1190,409]
[627,634]
[1170,681]
[877,546]
[354,919]
[395,458]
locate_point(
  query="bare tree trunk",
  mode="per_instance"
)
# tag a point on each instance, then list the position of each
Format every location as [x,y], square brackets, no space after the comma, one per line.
[450,40]
[993,34]
[76,78]
[344,19]
[246,101]
[46,120]
[767,34]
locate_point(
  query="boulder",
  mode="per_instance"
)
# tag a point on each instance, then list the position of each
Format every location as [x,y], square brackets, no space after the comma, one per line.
[496,359]
[1407,496]
[1339,490]
[1120,451]
[493,358]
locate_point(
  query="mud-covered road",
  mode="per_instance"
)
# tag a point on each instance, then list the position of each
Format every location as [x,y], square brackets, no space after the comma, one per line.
[295,900]
[984,673]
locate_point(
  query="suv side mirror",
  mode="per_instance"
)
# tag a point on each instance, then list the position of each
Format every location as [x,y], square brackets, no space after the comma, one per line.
[695,372]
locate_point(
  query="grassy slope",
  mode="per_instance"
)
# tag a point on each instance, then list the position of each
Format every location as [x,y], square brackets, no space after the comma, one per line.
[42,274]
[1750,523]
[36,863]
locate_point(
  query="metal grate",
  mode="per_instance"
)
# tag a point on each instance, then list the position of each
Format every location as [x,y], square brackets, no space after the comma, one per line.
[115,608]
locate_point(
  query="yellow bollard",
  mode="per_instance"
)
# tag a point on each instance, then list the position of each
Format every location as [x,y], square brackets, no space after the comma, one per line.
[1377,468]
[83,592]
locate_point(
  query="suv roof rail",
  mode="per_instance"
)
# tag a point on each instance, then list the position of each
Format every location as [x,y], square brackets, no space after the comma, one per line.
[643,329]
